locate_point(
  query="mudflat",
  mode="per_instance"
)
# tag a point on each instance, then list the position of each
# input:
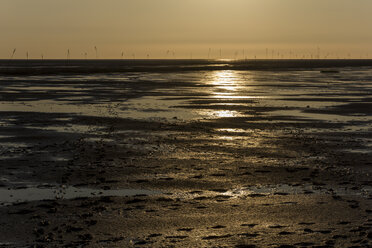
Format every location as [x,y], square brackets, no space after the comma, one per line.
[186,153]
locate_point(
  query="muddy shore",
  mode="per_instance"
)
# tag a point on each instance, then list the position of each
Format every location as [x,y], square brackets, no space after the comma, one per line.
[213,158]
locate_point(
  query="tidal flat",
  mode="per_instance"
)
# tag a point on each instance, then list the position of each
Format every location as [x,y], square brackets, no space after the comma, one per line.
[186,153]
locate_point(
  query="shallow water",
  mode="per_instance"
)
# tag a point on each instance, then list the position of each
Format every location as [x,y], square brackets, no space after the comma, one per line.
[237,103]
[149,95]
[10,196]
[298,114]
[280,190]
[26,194]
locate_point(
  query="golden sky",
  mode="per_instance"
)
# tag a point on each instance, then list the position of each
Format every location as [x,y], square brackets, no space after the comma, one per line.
[185,28]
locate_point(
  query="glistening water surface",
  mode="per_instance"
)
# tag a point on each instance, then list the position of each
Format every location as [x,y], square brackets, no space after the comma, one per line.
[59,100]
[11,196]
[189,95]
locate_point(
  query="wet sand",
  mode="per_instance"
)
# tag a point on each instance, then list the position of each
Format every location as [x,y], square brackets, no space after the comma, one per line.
[187,158]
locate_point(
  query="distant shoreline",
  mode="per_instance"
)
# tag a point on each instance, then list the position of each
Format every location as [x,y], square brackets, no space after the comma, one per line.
[95,66]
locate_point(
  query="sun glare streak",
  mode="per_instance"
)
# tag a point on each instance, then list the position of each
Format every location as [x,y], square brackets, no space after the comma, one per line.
[225,80]
[230,85]
[223,113]
[228,91]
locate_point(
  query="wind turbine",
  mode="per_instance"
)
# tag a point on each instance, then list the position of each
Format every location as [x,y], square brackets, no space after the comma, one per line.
[318,51]
[14,51]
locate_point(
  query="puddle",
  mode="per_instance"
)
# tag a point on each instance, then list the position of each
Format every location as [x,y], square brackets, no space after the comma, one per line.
[14,145]
[6,136]
[26,194]
[99,139]
[7,244]
[359,150]
[234,133]
[52,106]
[58,158]
[156,108]
[283,189]
[11,196]
[301,189]
[232,97]
[148,107]
[315,116]
[71,128]
[45,88]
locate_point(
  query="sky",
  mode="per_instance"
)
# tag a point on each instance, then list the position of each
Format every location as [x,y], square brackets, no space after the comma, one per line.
[186,28]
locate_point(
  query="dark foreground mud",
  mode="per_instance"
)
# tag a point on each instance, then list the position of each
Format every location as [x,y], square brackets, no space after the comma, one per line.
[189,159]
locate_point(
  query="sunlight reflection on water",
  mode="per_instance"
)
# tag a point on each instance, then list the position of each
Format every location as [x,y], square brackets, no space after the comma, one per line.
[223,86]
[229,85]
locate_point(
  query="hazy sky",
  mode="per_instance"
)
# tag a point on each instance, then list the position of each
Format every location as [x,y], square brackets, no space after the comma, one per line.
[153,27]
